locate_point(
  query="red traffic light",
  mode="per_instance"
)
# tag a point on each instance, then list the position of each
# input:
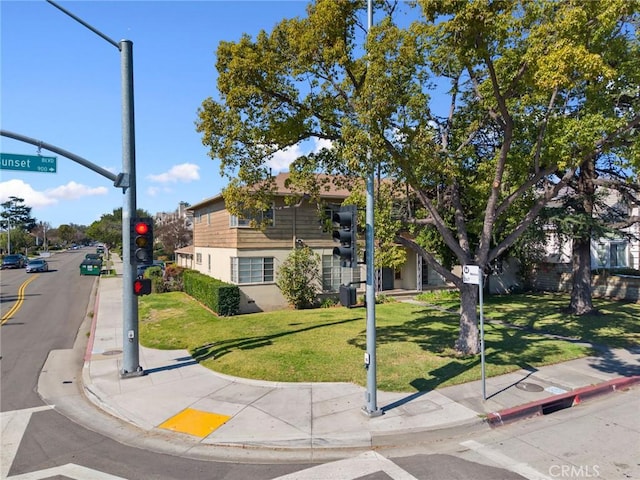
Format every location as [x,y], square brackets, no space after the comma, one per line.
[142,286]
[141,228]
[141,240]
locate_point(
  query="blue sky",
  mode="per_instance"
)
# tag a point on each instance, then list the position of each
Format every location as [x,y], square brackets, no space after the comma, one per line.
[60,83]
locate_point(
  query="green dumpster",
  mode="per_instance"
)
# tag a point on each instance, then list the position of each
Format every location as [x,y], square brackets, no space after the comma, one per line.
[90,267]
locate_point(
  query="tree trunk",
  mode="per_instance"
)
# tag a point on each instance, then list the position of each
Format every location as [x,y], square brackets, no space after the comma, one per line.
[581,251]
[581,289]
[468,342]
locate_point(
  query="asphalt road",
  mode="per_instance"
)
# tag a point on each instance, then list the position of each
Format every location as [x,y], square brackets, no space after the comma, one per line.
[598,439]
[54,305]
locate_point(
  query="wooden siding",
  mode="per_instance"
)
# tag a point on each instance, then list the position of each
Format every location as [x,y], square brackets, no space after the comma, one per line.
[211,228]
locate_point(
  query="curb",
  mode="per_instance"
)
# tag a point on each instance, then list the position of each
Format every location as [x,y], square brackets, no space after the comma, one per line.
[558,402]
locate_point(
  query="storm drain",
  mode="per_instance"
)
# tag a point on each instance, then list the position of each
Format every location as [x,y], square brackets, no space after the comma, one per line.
[559,404]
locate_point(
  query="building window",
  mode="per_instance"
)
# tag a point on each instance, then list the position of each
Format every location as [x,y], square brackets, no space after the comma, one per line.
[198,258]
[244,221]
[612,254]
[327,218]
[333,275]
[251,270]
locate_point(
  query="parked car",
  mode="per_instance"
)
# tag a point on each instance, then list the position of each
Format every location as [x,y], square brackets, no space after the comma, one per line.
[37,265]
[156,263]
[13,261]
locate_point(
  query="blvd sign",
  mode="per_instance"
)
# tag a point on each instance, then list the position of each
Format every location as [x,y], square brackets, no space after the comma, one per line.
[28,163]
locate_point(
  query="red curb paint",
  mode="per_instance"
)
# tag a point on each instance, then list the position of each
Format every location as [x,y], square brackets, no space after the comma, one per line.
[558,402]
[88,352]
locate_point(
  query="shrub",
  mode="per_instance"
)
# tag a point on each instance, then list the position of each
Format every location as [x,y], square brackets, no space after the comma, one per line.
[299,277]
[157,282]
[221,297]
[173,278]
[329,302]
[382,298]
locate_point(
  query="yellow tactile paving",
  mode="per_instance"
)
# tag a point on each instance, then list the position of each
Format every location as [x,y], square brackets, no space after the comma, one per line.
[195,422]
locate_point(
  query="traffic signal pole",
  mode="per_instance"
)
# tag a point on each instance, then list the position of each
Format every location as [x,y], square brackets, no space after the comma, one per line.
[127,181]
[130,341]
[371,396]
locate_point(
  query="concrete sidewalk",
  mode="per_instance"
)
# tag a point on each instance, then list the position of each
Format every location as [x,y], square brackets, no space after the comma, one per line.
[183,408]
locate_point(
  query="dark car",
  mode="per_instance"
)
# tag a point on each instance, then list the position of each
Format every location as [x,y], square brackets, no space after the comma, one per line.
[37,265]
[13,261]
[142,268]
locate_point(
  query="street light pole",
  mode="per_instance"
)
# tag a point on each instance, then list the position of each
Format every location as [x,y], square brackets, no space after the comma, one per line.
[371,408]
[130,343]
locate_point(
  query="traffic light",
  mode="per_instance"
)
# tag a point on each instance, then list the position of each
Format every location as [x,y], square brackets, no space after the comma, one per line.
[347,252]
[141,241]
[142,286]
[347,295]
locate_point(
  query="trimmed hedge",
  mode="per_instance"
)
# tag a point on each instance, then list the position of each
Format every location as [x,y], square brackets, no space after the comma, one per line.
[223,298]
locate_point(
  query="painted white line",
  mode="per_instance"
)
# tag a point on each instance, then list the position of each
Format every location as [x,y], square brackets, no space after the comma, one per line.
[14,424]
[504,461]
[70,470]
[364,464]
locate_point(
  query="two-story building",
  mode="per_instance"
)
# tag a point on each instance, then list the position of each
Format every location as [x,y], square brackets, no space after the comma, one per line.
[228,248]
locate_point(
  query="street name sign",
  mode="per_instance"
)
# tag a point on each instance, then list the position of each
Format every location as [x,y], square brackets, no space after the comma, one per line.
[471,274]
[28,163]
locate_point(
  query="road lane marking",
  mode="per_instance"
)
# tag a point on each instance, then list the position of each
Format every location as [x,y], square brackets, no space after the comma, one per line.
[70,470]
[18,304]
[14,424]
[367,463]
[504,461]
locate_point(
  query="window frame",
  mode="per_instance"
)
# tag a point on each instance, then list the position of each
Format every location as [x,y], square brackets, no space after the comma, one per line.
[259,270]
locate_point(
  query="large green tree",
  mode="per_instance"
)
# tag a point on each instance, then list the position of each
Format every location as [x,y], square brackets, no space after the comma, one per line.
[109,228]
[16,214]
[474,109]
[16,222]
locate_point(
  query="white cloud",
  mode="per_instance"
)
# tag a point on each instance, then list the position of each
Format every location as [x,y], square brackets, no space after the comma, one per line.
[184,172]
[155,191]
[282,159]
[35,199]
[321,143]
[74,191]
[18,188]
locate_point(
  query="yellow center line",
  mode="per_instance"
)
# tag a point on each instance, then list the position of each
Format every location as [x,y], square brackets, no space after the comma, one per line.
[16,306]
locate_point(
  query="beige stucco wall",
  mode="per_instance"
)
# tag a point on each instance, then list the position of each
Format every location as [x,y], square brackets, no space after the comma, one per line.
[254,297]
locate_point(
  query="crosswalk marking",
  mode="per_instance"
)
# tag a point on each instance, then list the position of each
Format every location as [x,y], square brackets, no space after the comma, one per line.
[70,470]
[364,464]
[14,424]
[504,461]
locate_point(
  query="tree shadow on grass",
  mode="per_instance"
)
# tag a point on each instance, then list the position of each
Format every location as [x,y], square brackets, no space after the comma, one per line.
[505,348]
[614,324]
[220,348]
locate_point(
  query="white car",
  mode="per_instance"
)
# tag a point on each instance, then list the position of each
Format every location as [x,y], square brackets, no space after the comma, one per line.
[37,265]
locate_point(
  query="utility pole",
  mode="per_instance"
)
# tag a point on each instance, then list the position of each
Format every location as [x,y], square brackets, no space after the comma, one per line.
[127,181]
[371,408]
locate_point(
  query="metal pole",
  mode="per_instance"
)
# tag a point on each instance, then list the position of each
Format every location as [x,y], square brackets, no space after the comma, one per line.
[371,408]
[65,153]
[127,180]
[481,288]
[130,342]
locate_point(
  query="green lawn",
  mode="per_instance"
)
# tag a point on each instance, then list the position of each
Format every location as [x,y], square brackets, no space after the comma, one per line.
[413,341]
